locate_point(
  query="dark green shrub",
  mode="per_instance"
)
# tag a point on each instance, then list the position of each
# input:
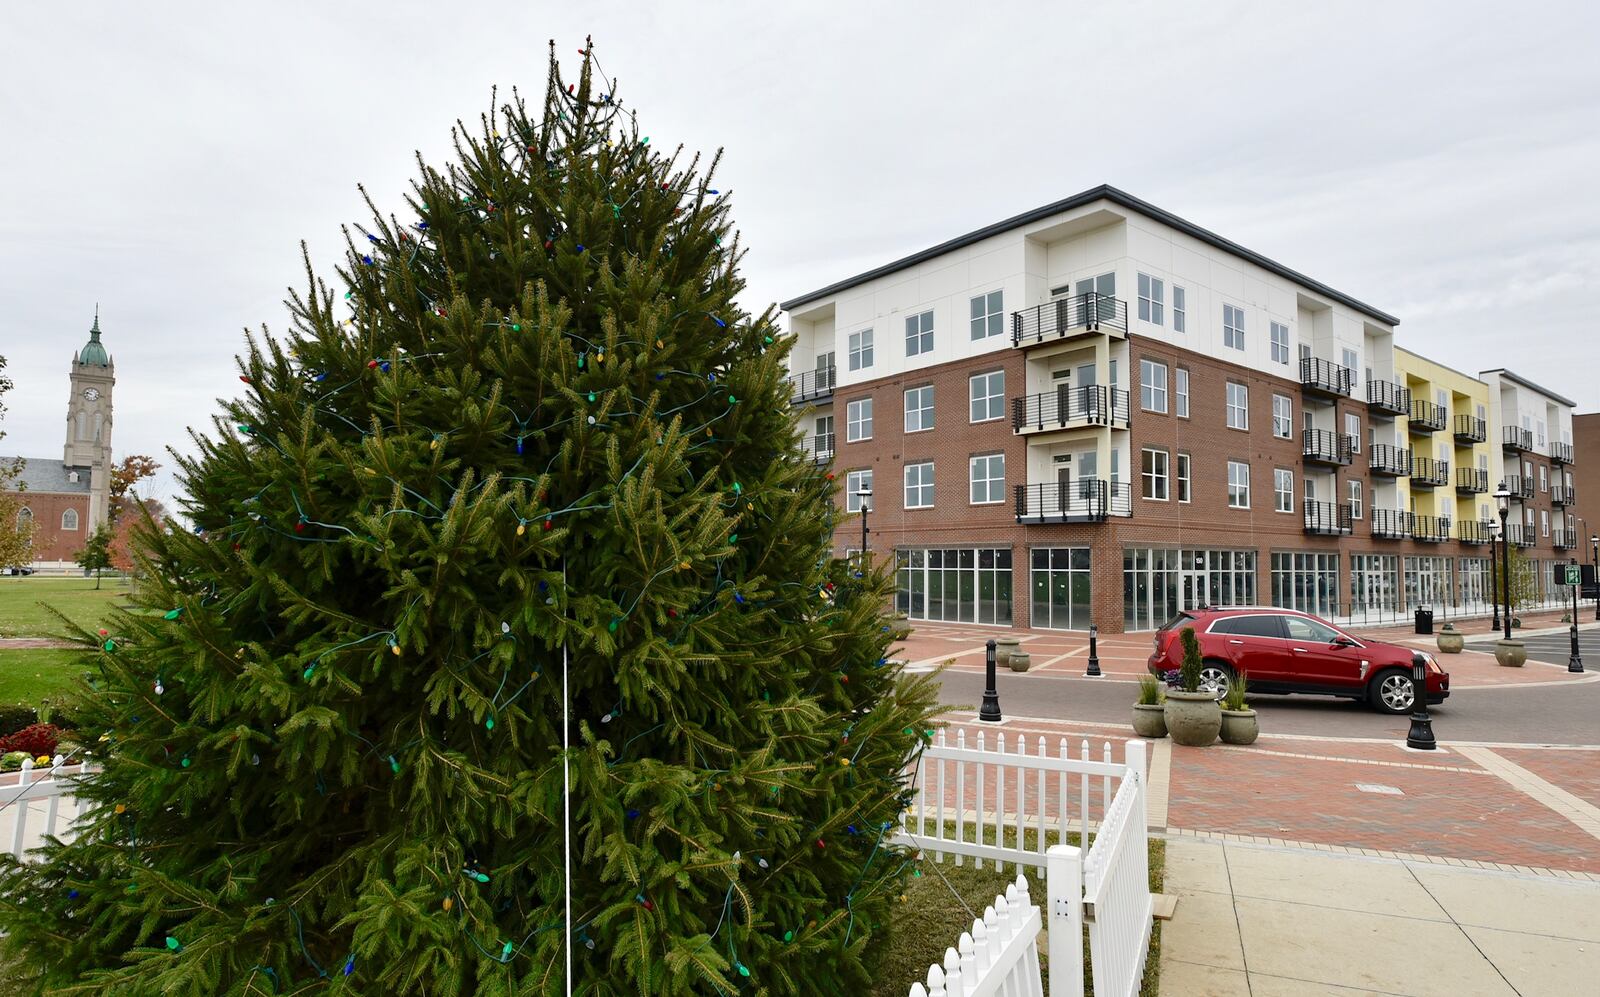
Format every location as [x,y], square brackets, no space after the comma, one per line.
[1189,674]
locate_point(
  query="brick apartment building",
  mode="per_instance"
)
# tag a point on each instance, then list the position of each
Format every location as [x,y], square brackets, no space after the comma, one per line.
[1586,479]
[1099,412]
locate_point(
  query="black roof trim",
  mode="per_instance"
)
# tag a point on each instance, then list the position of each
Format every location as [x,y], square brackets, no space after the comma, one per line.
[1108,193]
[1519,379]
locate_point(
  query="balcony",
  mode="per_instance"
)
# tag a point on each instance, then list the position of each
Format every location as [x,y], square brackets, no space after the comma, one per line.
[1519,535]
[1430,529]
[1521,488]
[1564,539]
[1066,318]
[1563,495]
[1388,459]
[1385,398]
[1514,438]
[818,446]
[1327,519]
[812,385]
[1471,429]
[1427,472]
[1476,531]
[1471,482]
[1070,408]
[1426,417]
[1561,453]
[1319,446]
[1325,378]
[1086,500]
[1391,524]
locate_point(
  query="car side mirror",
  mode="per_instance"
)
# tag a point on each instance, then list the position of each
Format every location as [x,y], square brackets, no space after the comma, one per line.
[1343,642]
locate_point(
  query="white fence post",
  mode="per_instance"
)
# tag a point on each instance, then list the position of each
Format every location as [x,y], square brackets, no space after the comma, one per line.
[1134,757]
[1064,913]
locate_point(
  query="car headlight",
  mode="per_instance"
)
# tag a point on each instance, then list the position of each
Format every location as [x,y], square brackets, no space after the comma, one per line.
[1433,665]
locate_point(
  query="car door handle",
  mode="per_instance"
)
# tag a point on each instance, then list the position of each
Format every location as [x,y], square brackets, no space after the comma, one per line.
[1236,642]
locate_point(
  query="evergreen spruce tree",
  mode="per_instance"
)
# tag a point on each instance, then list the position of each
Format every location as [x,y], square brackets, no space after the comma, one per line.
[530,480]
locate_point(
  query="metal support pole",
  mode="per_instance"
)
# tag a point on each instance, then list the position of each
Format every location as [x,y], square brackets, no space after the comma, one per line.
[1420,737]
[1094,653]
[990,710]
[1494,581]
[1505,568]
[1596,562]
[1574,659]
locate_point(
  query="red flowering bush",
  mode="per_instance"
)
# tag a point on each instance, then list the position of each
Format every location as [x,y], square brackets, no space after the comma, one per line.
[36,740]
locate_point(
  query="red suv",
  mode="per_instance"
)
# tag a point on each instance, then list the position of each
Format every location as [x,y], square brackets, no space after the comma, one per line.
[1283,651]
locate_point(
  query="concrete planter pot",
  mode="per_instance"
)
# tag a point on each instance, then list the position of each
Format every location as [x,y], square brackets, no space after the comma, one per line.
[1149,720]
[1193,718]
[1450,640]
[1240,727]
[1004,648]
[1510,653]
[1020,661]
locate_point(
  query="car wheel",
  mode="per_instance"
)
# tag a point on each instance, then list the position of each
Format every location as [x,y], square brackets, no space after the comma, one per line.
[1215,678]
[1391,692]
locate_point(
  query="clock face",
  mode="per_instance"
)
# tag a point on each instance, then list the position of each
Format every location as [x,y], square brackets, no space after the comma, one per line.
[91,394]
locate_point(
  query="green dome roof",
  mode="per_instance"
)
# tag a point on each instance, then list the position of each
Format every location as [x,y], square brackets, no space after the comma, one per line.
[93,352]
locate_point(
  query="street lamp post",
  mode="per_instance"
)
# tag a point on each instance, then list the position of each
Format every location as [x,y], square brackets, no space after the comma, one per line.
[1594,545]
[1574,659]
[865,495]
[1503,497]
[1494,572]
[989,711]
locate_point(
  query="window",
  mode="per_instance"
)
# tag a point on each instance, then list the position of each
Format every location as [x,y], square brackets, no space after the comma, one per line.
[854,482]
[919,409]
[1280,343]
[1238,484]
[858,420]
[861,349]
[1159,582]
[1352,360]
[1152,386]
[988,477]
[1152,294]
[919,334]
[1308,582]
[1153,474]
[822,440]
[1310,488]
[958,585]
[1282,489]
[1180,388]
[1249,626]
[1300,628]
[1283,417]
[1183,477]
[1355,500]
[1179,312]
[988,316]
[919,485]
[69,519]
[1232,327]
[1352,429]
[1238,406]
[1305,351]
[1544,480]
[72,476]
[1544,522]
[1060,577]
[1539,434]
[988,395]
[24,517]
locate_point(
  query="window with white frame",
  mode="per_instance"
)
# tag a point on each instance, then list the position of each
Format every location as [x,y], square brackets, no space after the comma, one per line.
[987,475]
[1233,327]
[1152,386]
[1280,343]
[1355,500]
[1283,489]
[1544,481]
[919,485]
[1180,391]
[854,482]
[1179,311]
[919,334]
[1544,522]
[1352,362]
[861,349]
[919,409]
[1183,478]
[1352,429]
[1238,484]
[69,519]
[1238,406]
[988,395]
[1152,294]
[858,420]
[1283,417]
[988,315]
[1539,434]
[1153,474]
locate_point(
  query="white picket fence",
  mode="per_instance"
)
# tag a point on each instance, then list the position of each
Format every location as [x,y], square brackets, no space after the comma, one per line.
[1108,886]
[38,802]
[998,956]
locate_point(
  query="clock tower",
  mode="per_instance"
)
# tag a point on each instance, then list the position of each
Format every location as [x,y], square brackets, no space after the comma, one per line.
[88,446]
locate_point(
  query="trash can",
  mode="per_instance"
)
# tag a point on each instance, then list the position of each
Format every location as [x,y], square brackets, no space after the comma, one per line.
[1424,620]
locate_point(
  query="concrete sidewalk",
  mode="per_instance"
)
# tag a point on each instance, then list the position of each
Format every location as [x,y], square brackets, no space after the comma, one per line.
[1274,922]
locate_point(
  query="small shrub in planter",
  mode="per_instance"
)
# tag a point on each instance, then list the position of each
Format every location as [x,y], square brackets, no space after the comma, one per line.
[1239,724]
[1193,717]
[1149,718]
[39,739]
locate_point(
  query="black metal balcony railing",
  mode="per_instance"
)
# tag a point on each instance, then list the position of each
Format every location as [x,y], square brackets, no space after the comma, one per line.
[1475,531]
[1563,495]
[1391,460]
[1089,405]
[1065,317]
[1471,481]
[1323,447]
[1426,472]
[1325,377]
[1561,453]
[1327,518]
[1520,535]
[1564,539]
[1520,487]
[1426,417]
[1391,524]
[1086,500]
[1430,529]
[1471,429]
[1386,397]
[819,447]
[1516,438]
[811,385]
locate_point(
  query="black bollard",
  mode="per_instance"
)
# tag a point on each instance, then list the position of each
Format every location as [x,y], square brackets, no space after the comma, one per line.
[1094,653]
[990,710]
[1574,659]
[1420,736]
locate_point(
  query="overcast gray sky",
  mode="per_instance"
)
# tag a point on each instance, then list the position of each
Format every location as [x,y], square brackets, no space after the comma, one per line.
[1439,161]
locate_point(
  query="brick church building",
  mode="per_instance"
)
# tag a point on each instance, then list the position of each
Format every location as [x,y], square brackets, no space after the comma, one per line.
[68,499]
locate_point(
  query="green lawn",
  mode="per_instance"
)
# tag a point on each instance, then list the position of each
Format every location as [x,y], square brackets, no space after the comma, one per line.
[22,615]
[29,676]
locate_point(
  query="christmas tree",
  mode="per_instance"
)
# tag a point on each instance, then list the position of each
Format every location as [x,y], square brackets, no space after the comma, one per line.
[520,508]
